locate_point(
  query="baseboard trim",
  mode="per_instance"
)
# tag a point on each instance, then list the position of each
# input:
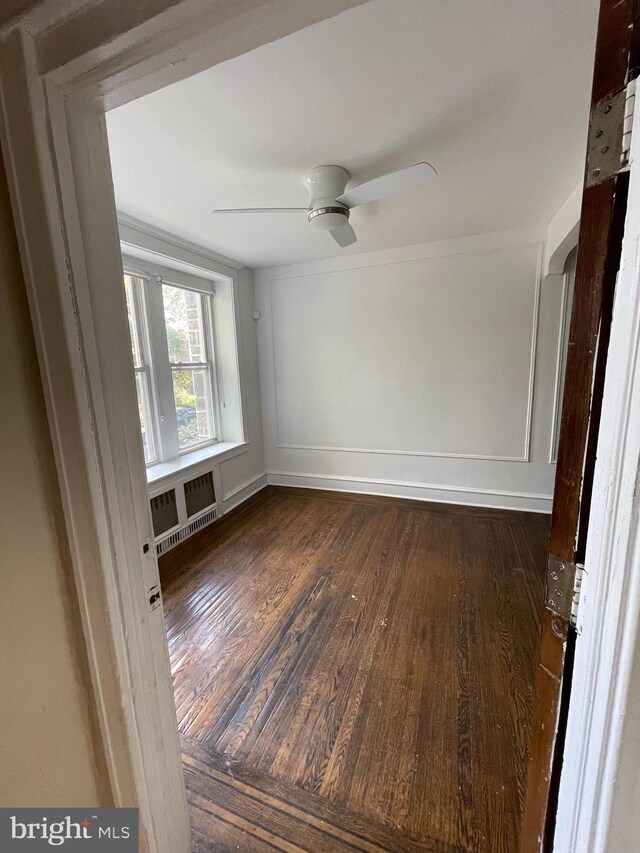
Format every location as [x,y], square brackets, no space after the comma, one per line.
[491,498]
[243,492]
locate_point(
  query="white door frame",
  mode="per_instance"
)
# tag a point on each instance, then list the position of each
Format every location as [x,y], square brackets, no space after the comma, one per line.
[58,76]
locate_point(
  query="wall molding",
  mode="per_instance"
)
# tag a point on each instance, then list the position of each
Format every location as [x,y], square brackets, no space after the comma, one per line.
[415,453]
[436,493]
[243,492]
[558,389]
[428,492]
[349,267]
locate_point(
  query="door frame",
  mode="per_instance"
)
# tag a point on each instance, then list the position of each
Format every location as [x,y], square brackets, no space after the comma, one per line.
[57,78]
[609,614]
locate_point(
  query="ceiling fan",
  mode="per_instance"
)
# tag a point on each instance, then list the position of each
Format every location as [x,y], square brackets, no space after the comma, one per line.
[329,204]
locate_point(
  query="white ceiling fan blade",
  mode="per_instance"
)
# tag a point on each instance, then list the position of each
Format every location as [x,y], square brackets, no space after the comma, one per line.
[394,182]
[344,235]
[262,210]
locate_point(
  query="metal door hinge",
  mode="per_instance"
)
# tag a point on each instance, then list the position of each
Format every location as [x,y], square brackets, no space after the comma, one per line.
[154,597]
[609,141]
[562,593]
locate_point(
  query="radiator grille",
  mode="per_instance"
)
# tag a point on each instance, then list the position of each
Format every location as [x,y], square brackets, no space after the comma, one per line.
[199,494]
[164,512]
[187,530]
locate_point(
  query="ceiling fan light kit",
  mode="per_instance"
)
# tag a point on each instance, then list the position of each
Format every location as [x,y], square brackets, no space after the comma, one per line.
[329,204]
[328,218]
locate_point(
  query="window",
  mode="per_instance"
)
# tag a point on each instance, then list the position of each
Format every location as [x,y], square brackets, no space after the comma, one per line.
[186,330]
[171,328]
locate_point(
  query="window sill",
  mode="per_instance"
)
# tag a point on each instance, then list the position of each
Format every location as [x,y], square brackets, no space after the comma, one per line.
[195,459]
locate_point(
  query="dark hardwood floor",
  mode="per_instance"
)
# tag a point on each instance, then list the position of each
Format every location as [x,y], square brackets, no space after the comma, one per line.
[355,674]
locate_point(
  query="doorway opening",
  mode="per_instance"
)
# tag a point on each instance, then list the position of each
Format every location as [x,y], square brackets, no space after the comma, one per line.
[350,449]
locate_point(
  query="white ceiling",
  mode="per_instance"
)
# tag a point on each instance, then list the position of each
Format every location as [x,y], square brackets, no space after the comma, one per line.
[494,94]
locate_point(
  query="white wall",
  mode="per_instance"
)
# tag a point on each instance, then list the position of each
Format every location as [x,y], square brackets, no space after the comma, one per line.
[243,474]
[562,233]
[427,371]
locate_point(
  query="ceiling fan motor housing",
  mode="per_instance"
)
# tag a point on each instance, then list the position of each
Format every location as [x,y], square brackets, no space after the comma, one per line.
[325,184]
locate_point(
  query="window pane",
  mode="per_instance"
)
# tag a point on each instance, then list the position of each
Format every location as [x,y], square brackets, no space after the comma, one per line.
[144,412]
[183,316]
[192,393]
[133,324]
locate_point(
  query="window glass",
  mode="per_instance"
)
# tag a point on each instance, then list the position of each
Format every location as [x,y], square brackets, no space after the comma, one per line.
[193,406]
[185,324]
[183,316]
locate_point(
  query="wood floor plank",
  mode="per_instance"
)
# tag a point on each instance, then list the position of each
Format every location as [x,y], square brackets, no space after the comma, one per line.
[354,671]
[283,814]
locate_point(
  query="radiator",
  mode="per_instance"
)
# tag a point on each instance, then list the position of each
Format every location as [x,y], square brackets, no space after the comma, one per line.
[182,510]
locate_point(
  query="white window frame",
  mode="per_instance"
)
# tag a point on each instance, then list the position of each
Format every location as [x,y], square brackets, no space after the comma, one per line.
[165,426]
[146,366]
